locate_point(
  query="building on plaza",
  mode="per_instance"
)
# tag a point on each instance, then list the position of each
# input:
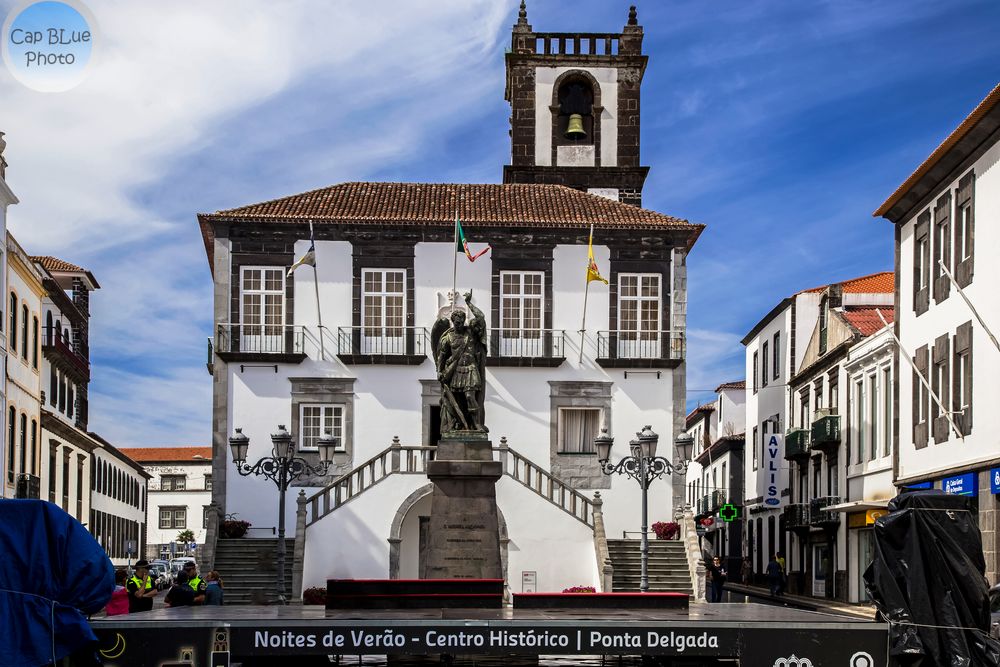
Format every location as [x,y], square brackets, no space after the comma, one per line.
[715,476]
[775,349]
[25,292]
[180,491]
[838,439]
[944,219]
[384,257]
[118,501]
[7,198]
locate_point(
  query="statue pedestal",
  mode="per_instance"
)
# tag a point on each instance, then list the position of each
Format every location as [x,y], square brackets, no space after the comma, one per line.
[463,535]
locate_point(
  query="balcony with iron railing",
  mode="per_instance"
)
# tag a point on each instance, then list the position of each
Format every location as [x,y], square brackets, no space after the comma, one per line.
[797,516]
[527,347]
[797,445]
[826,432]
[406,346]
[276,343]
[61,353]
[819,514]
[640,349]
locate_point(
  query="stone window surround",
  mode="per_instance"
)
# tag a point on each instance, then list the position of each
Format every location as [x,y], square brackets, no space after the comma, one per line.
[579,471]
[596,115]
[325,390]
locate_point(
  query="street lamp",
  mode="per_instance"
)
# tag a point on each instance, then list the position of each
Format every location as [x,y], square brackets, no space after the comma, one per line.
[644,466]
[282,468]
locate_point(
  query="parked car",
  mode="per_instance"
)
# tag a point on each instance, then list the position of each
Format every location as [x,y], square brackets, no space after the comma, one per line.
[160,571]
[995,612]
[177,564]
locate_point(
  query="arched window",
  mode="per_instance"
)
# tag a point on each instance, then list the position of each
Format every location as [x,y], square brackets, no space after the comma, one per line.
[34,446]
[11,441]
[575,122]
[58,329]
[24,443]
[34,342]
[13,322]
[48,325]
[24,332]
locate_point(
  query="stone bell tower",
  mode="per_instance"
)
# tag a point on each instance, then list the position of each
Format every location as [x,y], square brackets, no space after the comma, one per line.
[574,101]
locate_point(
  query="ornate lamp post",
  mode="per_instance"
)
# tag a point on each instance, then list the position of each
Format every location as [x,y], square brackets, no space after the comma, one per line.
[282,468]
[644,466]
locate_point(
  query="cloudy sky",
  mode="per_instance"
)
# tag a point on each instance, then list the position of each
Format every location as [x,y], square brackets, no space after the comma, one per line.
[780,125]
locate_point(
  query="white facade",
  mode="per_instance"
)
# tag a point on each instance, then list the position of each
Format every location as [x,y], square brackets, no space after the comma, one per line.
[118,502]
[386,401]
[180,490]
[948,216]
[606,79]
[23,352]
[7,198]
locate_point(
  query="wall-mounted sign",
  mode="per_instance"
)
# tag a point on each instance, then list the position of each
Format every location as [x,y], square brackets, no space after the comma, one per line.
[771,477]
[995,481]
[864,519]
[529,581]
[961,485]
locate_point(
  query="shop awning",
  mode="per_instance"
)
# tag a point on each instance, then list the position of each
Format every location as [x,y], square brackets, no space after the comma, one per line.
[858,505]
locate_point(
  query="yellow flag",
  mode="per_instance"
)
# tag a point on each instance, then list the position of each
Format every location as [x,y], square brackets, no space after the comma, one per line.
[592,271]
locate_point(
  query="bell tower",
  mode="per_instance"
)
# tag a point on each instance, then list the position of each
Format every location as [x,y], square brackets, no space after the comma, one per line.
[574,100]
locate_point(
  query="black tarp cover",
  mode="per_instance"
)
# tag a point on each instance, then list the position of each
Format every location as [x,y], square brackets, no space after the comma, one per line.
[53,572]
[927,579]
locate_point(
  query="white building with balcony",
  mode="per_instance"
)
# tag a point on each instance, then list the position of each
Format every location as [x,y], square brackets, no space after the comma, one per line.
[945,217]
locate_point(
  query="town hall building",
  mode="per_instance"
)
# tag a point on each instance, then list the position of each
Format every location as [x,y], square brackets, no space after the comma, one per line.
[344,347]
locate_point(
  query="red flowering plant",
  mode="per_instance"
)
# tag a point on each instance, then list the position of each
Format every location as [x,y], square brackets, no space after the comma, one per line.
[667,530]
[580,589]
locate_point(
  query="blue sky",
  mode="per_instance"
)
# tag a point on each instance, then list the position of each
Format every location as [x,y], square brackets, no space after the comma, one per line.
[780,125]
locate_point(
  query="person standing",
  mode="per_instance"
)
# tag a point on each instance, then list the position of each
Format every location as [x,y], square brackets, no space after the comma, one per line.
[196,583]
[119,602]
[719,577]
[773,573]
[180,594]
[141,589]
[784,573]
[213,588]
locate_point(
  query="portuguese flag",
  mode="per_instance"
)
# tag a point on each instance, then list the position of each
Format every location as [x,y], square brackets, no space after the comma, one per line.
[462,245]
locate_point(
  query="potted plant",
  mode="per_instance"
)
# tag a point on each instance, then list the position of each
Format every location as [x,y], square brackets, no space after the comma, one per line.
[667,530]
[314,595]
[580,589]
[233,528]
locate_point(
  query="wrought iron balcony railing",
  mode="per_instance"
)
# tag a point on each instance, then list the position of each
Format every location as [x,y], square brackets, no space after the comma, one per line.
[640,345]
[528,343]
[378,341]
[260,339]
[59,349]
[796,516]
[819,515]
[797,444]
[826,432]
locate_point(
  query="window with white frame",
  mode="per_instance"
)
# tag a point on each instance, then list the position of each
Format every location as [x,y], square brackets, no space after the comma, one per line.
[315,419]
[859,422]
[173,517]
[173,483]
[383,311]
[577,429]
[522,297]
[639,315]
[262,308]
[886,409]
[873,428]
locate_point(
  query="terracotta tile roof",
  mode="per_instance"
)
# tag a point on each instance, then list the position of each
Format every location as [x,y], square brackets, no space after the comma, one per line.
[883,282]
[160,454]
[701,409]
[736,384]
[950,141]
[865,318]
[55,264]
[487,204]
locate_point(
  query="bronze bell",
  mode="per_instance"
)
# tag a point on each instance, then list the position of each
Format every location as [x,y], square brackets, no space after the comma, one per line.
[574,129]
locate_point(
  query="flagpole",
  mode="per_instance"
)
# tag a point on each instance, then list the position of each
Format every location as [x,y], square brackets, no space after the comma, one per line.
[319,314]
[454,271]
[961,293]
[945,412]
[583,324]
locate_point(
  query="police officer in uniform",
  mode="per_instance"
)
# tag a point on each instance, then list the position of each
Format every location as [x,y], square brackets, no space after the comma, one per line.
[196,583]
[141,589]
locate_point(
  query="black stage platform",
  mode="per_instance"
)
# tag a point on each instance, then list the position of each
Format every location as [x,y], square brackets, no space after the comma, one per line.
[756,635]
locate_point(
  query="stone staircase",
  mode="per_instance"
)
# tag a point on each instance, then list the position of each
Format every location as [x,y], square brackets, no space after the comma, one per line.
[668,566]
[249,569]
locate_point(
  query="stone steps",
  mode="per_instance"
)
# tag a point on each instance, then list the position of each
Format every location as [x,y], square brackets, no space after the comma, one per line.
[667,566]
[249,569]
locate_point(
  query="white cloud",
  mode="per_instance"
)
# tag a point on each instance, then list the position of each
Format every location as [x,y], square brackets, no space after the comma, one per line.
[173,83]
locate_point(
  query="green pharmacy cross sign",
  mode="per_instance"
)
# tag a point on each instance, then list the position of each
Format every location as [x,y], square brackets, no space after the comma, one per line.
[728,512]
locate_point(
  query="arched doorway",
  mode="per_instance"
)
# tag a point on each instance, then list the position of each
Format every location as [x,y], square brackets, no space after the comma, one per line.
[405,540]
